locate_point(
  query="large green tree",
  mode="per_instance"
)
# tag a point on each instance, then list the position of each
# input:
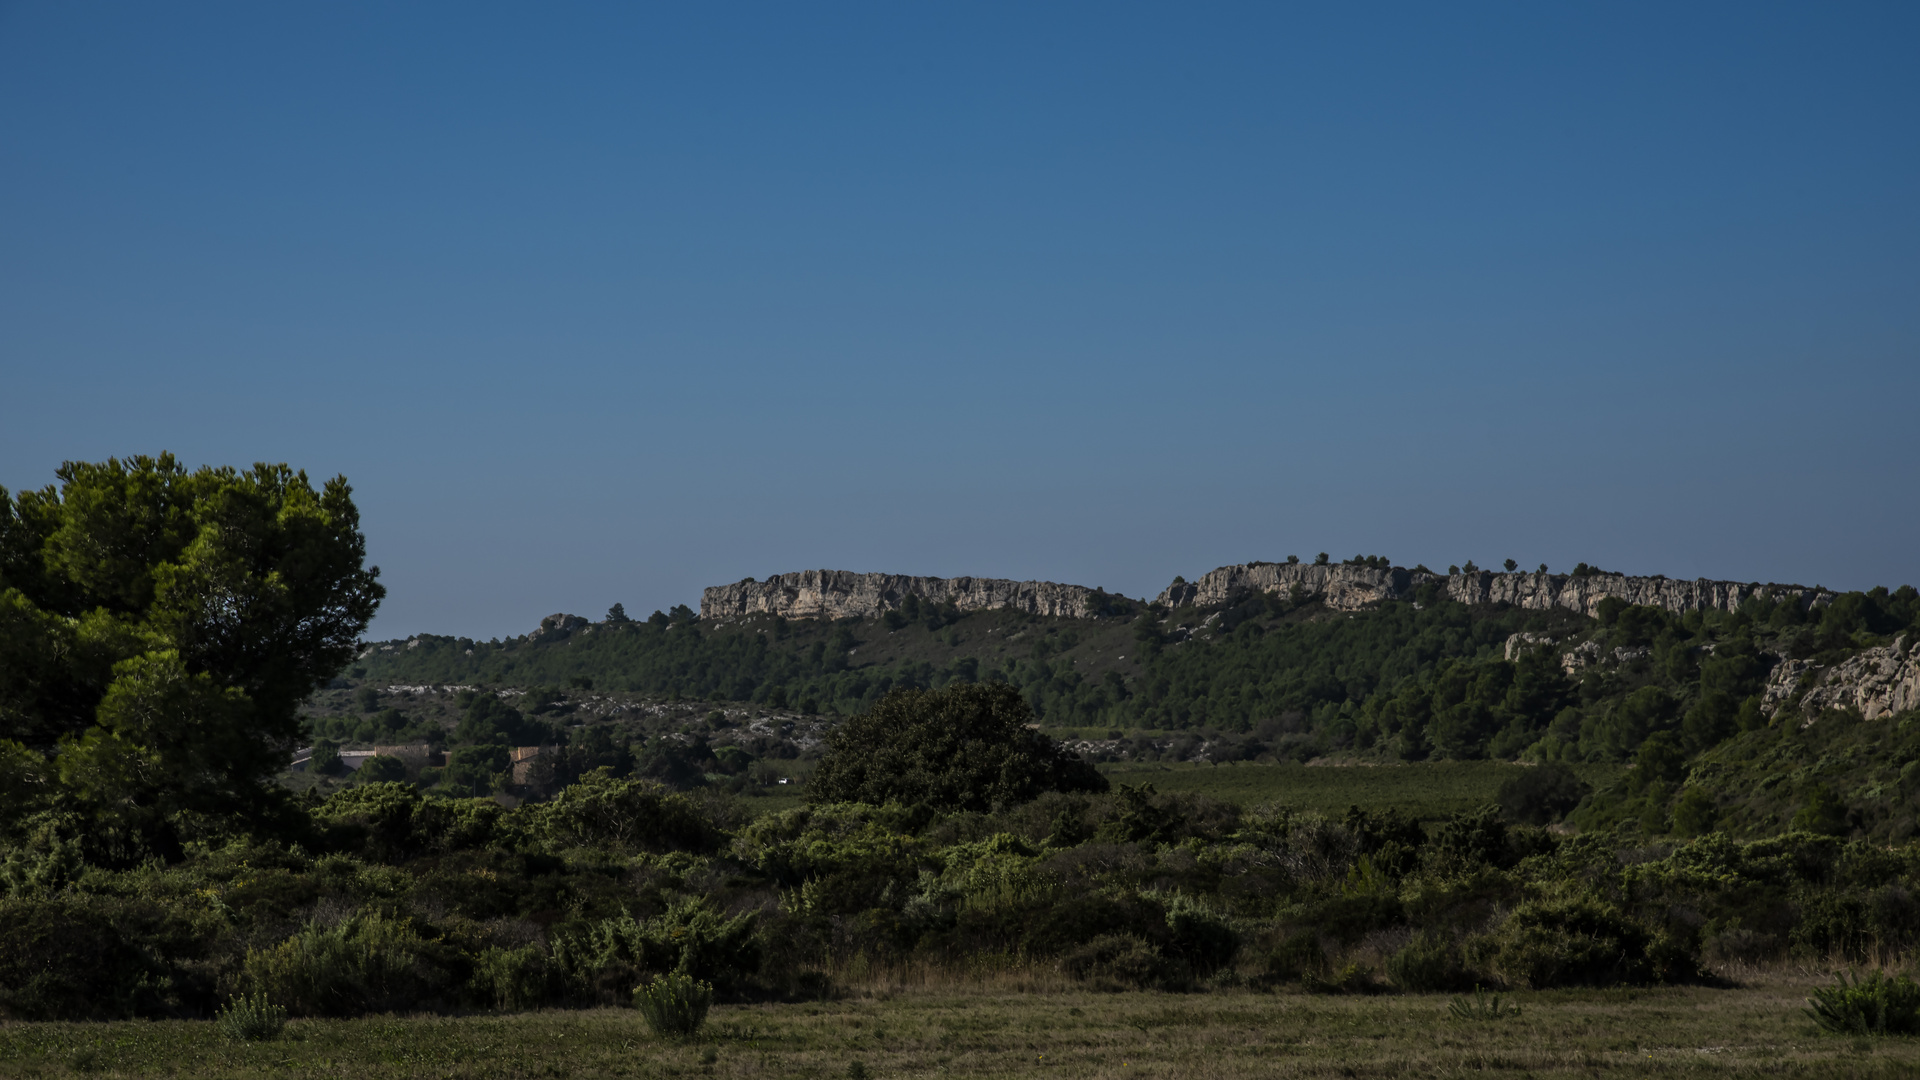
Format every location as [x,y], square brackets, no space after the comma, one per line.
[970,746]
[159,628]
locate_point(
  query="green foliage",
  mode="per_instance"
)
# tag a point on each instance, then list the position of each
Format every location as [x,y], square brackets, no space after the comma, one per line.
[159,627]
[1542,795]
[250,1018]
[966,747]
[1582,942]
[688,939]
[368,963]
[1120,960]
[381,769]
[1482,1007]
[1876,1005]
[86,957]
[1432,962]
[624,816]
[674,1005]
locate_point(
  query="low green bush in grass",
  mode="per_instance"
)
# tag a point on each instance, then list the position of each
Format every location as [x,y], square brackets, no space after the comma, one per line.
[674,1005]
[1876,1005]
[250,1018]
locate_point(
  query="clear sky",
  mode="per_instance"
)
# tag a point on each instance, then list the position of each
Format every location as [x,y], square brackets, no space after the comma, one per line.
[606,303]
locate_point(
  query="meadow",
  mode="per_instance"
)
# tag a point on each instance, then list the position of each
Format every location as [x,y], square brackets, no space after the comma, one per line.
[1428,791]
[1026,1025]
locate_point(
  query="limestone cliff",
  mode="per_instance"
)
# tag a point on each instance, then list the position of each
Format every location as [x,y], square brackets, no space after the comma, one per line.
[1342,587]
[1349,587]
[837,594]
[1877,682]
[1541,592]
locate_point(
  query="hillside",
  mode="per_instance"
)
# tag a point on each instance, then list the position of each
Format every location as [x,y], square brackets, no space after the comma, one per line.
[1703,684]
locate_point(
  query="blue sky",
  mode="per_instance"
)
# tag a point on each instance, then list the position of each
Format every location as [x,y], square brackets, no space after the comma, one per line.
[607,303]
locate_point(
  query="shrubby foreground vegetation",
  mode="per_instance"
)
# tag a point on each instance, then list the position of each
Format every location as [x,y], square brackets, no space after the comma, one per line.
[391,901]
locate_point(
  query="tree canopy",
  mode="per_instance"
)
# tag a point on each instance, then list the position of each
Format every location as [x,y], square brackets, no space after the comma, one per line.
[159,628]
[967,747]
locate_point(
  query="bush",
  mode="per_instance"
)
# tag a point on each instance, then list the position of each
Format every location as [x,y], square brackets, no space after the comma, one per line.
[250,1019]
[690,938]
[1875,1005]
[626,816]
[1481,1006]
[1574,943]
[368,964]
[382,768]
[509,978]
[1118,961]
[1298,956]
[1432,963]
[1198,935]
[80,957]
[674,1005]
[1353,978]
[1542,795]
[967,747]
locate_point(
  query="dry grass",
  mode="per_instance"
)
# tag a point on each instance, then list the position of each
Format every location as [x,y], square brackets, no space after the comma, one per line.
[1018,1023]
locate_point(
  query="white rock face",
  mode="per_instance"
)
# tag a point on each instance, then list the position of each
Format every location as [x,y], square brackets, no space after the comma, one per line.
[837,594]
[1343,588]
[1878,682]
[1348,588]
[1524,642]
[834,594]
[1540,592]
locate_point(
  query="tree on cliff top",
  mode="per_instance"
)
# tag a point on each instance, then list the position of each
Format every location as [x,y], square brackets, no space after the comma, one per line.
[159,628]
[967,747]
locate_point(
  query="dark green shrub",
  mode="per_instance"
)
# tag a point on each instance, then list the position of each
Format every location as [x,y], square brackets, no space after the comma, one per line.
[1299,955]
[382,769]
[1542,795]
[252,1018]
[1482,1006]
[368,964]
[1875,1005]
[1198,935]
[625,816]
[1352,978]
[510,978]
[967,747]
[1119,961]
[1584,943]
[674,1005]
[81,957]
[689,938]
[1432,963]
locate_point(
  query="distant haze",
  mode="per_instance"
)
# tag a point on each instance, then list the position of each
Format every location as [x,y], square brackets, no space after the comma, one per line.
[599,304]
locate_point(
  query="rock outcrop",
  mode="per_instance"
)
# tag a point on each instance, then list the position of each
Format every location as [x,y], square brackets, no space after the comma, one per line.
[1342,587]
[839,594]
[1877,682]
[1525,642]
[1350,587]
[1541,592]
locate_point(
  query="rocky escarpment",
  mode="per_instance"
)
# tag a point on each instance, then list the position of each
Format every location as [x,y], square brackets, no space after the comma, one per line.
[1343,587]
[1876,682]
[1542,592]
[1350,586]
[839,594]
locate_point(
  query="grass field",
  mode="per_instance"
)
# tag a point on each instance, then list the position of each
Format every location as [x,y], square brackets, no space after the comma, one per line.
[1428,790]
[1011,1028]
[1431,791]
